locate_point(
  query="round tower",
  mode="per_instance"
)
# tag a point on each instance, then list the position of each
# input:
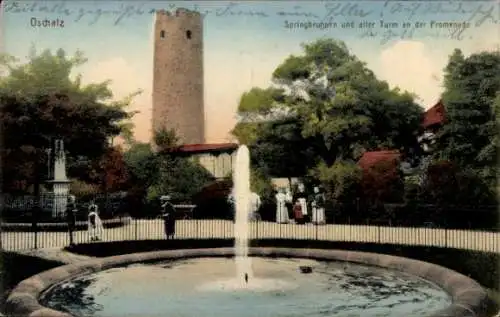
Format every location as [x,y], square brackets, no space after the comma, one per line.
[178,75]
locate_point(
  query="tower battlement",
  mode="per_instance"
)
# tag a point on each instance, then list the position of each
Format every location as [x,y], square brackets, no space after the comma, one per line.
[180,12]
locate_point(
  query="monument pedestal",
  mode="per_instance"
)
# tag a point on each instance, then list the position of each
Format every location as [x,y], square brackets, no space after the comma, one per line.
[60,194]
[60,183]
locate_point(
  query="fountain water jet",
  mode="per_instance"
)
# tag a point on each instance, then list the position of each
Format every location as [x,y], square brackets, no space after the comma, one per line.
[241,193]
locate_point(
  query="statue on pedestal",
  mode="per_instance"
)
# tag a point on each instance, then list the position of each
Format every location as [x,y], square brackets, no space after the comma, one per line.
[60,182]
[318,207]
[281,210]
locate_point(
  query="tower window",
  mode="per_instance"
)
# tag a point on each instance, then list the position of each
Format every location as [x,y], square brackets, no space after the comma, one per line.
[188,34]
[162,34]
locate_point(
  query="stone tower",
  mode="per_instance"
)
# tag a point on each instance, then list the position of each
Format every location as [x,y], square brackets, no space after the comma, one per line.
[178,75]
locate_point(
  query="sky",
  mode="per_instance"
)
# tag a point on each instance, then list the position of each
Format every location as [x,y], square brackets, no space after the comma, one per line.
[245,41]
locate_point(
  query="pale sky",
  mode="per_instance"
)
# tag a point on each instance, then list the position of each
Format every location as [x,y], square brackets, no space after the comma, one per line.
[241,51]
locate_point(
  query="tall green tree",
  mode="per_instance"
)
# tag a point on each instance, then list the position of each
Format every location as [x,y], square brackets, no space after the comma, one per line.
[41,102]
[339,107]
[469,136]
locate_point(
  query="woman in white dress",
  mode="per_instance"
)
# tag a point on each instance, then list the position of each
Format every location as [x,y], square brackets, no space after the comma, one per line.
[281,209]
[94,223]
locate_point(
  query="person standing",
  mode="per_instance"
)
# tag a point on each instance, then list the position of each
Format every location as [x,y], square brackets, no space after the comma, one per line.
[70,217]
[255,203]
[318,207]
[95,227]
[168,213]
[297,213]
[281,210]
[301,197]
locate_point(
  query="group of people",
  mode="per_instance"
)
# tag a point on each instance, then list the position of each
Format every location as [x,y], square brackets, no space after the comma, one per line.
[300,211]
[284,199]
[95,227]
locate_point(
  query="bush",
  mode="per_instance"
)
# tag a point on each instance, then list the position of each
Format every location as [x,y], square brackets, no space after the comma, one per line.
[340,181]
[382,183]
[180,178]
[447,184]
[212,201]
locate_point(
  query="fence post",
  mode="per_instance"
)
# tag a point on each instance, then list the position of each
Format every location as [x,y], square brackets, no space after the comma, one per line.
[446,238]
[317,231]
[197,225]
[378,234]
[34,225]
[135,228]
[257,230]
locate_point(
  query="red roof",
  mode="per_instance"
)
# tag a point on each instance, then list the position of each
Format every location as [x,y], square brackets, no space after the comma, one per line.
[202,148]
[435,115]
[371,158]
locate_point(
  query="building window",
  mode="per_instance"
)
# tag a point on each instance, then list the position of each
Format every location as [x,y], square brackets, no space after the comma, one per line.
[162,34]
[188,34]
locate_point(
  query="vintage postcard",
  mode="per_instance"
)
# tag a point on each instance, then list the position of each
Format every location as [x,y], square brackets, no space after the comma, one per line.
[192,140]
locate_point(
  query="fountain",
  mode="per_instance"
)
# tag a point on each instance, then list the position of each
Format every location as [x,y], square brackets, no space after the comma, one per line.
[188,283]
[241,192]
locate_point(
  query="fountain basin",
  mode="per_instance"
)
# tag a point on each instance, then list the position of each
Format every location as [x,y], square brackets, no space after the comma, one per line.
[468,298]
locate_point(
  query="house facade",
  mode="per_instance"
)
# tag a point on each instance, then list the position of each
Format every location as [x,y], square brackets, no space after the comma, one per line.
[217,158]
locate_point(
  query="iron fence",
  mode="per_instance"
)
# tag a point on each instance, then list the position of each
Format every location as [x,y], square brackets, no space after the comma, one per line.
[57,235]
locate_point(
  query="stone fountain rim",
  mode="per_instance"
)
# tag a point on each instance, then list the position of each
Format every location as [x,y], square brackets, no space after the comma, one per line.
[468,297]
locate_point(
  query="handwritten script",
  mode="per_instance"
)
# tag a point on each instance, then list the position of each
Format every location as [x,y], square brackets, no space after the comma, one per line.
[475,12]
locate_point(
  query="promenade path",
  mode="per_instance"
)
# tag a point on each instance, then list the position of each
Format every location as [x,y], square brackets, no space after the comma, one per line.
[203,229]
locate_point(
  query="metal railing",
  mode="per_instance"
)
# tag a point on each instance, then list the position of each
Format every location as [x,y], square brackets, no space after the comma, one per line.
[56,235]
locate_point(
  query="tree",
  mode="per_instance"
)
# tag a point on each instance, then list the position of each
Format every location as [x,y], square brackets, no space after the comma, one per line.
[142,164]
[446,183]
[281,151]
[113,169]
[340,180]
[340,107]
[165,139]
[40,102]
[469,136]
[179,177]
[382,183]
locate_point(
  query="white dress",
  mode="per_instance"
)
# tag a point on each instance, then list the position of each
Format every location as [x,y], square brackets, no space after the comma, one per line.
[281,210]
[96,230]
[318,214]
[254,205]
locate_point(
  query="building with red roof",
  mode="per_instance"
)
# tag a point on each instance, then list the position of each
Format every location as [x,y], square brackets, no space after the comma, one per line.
[433,119]
[371,158]
[215,148]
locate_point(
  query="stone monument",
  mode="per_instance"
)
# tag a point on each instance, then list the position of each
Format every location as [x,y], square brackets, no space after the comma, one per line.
[60,182]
